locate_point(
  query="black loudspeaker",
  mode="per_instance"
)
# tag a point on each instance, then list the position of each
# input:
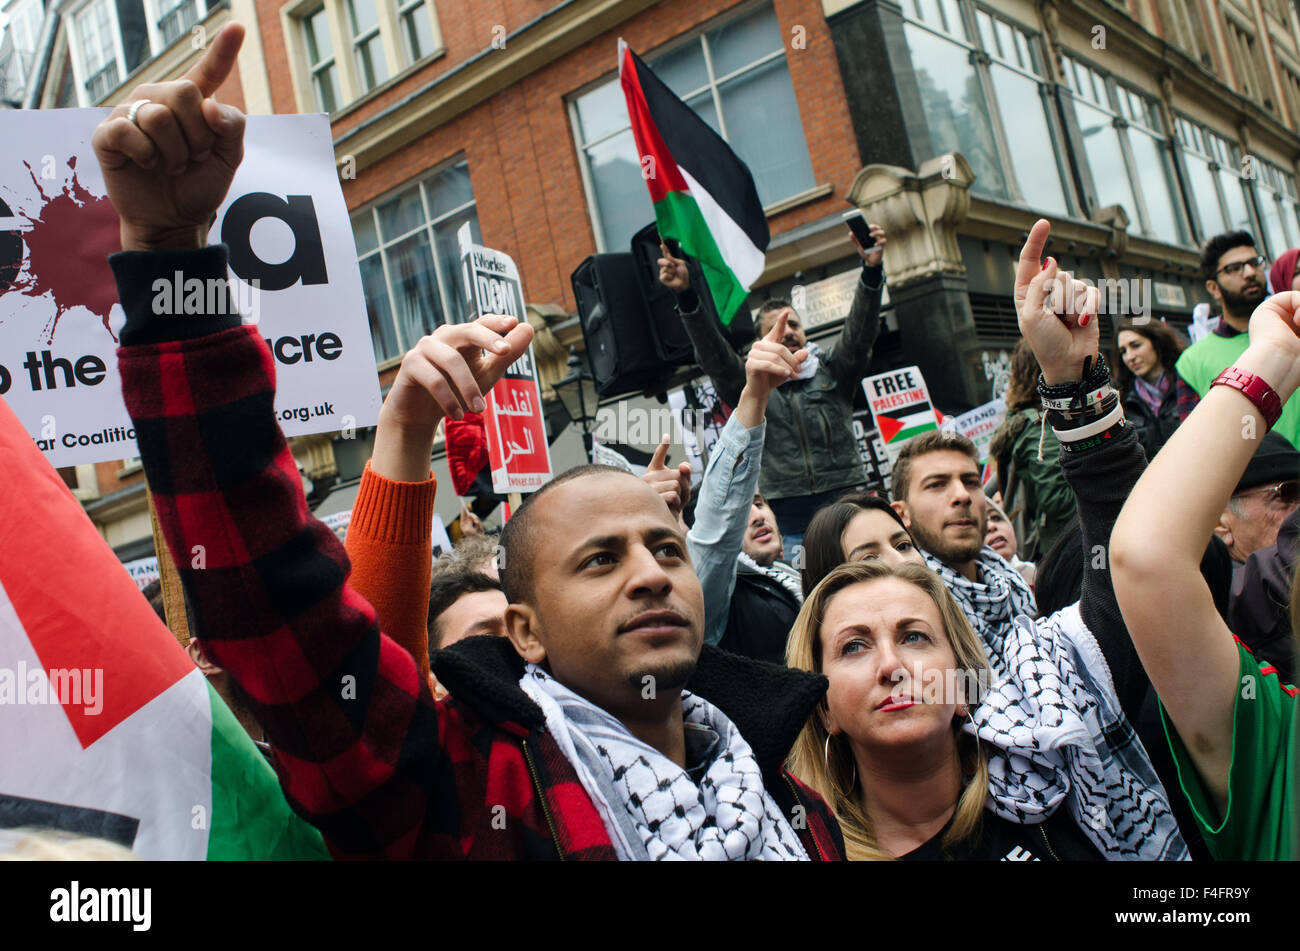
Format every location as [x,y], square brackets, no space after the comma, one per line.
[620,347]
[671,341]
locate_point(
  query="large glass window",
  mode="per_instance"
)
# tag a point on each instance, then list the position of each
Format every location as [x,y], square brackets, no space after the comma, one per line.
[1276,191]
[417,28]
[320,57]
[410,261]
[367,47]
[176,17]
[736,78]
[975,69]
[1215,185]
[95,36]
[1126,151]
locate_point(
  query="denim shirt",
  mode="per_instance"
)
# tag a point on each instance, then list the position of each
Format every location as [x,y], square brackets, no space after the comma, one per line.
[721,518]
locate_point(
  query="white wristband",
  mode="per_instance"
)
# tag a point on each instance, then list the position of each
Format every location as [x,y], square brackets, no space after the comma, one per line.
[1091,429]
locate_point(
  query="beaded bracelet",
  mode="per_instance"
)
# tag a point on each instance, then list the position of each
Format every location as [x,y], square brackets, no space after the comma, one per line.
[1090,401]
[1095,376]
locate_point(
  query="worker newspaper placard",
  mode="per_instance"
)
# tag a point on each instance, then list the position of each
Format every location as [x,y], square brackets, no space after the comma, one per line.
[518,454]
[293,271]
[900,405]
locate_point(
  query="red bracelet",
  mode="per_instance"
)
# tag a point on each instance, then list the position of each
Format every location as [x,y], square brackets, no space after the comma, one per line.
[1254,389]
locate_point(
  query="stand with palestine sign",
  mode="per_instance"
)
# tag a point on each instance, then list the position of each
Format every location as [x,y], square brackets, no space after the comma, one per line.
[518,454]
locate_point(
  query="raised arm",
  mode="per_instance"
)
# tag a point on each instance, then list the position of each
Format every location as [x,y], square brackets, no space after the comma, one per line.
[388,538]
[713,351]
[851,355]
[1156,549]
[731,479]
[353,723]
[1100,468]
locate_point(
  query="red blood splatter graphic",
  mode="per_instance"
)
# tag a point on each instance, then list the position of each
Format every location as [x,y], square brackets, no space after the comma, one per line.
[68,245]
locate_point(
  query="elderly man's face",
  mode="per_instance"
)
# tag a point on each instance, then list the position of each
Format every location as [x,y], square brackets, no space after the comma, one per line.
[1253,516]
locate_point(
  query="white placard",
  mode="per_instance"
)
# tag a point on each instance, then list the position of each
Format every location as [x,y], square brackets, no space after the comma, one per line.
[293,270]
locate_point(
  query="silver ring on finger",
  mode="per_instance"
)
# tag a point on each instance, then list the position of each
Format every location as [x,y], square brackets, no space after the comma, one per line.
[133,113]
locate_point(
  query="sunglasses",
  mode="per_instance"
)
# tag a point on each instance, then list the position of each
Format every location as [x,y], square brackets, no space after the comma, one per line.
[1235,268]
[1287,492]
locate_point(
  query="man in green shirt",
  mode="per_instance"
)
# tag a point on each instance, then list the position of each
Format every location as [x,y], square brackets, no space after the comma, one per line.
[1230,722]
[1259,822]
[1235,276]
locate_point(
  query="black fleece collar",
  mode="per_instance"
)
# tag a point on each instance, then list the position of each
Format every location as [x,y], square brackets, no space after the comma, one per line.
[768,704]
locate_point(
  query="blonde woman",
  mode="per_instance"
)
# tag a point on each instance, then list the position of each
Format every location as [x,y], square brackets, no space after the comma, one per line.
[921,758]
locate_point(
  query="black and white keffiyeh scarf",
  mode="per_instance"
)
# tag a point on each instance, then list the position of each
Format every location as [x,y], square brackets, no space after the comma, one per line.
[780,572]
[991,604]
[650,806]
[1056,734]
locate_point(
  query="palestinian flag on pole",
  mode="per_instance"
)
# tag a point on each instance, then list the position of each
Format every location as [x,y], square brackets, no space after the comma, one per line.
[106,727]
[703,194]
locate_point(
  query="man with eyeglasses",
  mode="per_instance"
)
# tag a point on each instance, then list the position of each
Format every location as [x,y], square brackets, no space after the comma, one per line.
[1260,526]
[1236,276]
[1268,492]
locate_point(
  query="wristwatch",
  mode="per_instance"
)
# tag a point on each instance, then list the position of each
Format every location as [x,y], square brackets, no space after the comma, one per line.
[1254,389]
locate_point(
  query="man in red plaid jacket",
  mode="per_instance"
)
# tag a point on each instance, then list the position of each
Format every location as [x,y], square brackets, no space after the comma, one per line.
[362,750]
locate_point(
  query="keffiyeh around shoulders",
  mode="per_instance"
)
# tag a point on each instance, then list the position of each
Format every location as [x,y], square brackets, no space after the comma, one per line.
[651,807]
[1054,735]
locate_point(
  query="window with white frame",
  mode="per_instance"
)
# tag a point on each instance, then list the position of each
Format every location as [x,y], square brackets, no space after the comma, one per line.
[1275,190]
[976,70]
[367,46]
[417,29]
[177,17]
[410,259]
[1126,152]
[110,39]
[97,45]
[735,77]
[1214,182]
[24,27]
[320,60]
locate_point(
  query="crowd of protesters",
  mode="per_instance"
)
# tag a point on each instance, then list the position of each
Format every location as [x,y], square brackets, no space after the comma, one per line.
[1087,661]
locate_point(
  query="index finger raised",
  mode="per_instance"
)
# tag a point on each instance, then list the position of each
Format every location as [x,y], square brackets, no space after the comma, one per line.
[1031,255]
[215,65]
[778,328]
[660,458]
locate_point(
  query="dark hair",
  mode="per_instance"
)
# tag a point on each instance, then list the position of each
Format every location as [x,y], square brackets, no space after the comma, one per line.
[153,594]
[1220,245]
[446,589]
[1167,343]
[936,440]
[770,306]
[1022,389]
[822,549]
[519,540]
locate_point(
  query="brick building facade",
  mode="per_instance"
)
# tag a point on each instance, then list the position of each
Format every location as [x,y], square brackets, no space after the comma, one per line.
[1139,127]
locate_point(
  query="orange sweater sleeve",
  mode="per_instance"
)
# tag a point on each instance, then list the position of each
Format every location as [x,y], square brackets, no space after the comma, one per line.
[390,544]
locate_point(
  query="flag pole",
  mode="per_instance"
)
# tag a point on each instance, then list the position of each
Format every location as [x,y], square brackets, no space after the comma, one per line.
[173,595]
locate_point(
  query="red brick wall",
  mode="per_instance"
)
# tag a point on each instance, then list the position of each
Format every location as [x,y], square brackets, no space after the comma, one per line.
[519,144]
